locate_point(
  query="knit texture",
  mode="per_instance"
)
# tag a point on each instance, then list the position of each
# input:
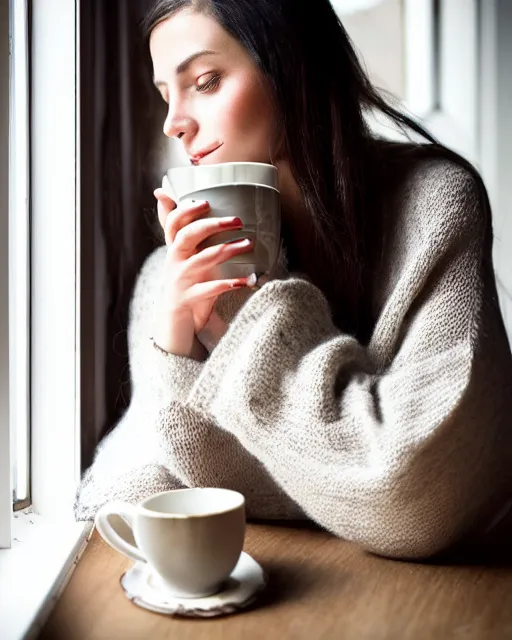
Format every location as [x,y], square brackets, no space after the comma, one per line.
[403,445]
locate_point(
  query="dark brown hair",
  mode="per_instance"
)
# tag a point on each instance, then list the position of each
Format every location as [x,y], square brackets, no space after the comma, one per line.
[321,94]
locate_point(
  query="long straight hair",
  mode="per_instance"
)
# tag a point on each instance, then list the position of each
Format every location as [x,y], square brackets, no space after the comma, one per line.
[321,94]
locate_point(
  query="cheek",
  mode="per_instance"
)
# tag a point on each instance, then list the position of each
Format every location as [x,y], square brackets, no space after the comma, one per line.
[245,109]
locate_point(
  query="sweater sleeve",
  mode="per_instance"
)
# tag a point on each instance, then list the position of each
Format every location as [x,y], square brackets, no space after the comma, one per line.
[159,444]
[157,377]
[403,445]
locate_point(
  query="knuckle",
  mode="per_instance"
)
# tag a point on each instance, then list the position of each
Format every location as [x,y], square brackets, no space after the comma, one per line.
[181,237]
[174,259]
[210,254]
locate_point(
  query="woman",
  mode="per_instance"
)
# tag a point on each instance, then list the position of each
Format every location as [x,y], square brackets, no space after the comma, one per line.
[369,391]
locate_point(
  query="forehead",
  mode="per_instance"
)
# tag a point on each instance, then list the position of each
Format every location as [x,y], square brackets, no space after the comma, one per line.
[182,35]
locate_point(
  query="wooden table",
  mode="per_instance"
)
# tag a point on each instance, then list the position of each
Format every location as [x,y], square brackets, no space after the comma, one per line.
[319,588]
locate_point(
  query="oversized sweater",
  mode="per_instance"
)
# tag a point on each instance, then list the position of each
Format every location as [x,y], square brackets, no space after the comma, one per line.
[403,445]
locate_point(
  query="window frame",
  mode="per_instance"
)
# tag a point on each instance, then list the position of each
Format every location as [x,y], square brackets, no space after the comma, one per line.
[432,92]
[45,535]
[19,252]
[55,299]
[5,431]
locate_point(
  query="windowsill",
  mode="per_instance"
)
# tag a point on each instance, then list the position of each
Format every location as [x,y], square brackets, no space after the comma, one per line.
[36,569]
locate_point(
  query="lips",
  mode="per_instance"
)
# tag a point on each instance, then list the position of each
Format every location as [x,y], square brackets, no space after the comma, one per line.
[195,158]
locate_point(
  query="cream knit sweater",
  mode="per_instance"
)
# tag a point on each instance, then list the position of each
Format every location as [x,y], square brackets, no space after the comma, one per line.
[404,445]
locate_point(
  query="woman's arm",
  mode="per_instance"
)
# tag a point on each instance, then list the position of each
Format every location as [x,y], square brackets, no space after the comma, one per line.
[405,445]
[128,465]
[157,377]
[159,444]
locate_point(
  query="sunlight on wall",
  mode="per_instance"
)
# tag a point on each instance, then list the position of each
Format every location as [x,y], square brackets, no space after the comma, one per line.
[377,34]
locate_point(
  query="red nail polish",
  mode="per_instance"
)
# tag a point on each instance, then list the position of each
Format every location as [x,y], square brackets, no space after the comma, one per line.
[238,285]
[233,223]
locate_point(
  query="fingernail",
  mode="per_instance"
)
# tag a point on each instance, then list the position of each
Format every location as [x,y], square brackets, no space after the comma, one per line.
[232,222]
[241,242]
[252,280]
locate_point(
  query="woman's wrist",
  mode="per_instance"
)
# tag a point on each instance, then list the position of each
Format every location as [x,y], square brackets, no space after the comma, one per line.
[175,335]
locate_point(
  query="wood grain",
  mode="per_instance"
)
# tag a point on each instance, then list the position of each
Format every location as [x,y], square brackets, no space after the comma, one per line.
[320,587]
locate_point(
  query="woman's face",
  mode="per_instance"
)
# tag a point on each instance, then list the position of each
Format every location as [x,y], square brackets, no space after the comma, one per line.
[219,105]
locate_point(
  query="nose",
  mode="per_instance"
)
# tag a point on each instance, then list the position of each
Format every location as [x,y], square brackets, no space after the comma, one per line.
[177,123]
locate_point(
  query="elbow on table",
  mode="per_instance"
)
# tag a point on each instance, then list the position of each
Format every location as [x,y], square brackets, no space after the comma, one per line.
[412,532]
[406,543]
[418,530]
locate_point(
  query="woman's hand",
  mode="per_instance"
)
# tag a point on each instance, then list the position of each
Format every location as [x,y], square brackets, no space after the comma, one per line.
[189,291]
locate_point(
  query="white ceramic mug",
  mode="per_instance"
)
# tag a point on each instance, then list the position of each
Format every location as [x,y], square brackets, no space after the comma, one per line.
[191,538]
[186,180]
[247,190]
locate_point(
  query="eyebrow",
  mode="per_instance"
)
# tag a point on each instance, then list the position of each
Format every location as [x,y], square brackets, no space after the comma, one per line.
[183,66]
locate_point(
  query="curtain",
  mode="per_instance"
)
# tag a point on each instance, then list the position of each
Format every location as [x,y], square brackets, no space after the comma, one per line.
[122,158]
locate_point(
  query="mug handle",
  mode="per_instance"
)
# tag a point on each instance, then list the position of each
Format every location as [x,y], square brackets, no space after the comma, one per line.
[127,512]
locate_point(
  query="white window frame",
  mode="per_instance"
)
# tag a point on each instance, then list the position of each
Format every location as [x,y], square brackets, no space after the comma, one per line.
[55,276]
[45,536]
[19,253]
[454,119]
[5,433]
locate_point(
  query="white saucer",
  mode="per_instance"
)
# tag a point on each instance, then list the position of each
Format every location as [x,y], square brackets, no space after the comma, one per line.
[144,589]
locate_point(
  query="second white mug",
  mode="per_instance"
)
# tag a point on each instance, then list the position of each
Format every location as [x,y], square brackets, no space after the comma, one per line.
[191,538]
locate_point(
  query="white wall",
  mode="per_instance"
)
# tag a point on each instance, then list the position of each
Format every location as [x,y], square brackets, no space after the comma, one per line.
[377,34]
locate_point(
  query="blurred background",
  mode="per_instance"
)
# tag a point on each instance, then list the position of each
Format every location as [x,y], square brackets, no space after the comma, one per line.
[448,62]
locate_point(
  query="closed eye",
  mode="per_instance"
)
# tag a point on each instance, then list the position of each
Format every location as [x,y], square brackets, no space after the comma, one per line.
[211,85]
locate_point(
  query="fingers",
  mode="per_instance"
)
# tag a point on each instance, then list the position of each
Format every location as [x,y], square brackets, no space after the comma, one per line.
[188,227]
[214,288]
[187,213]
[165,204]
[213,256]
[189,237]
